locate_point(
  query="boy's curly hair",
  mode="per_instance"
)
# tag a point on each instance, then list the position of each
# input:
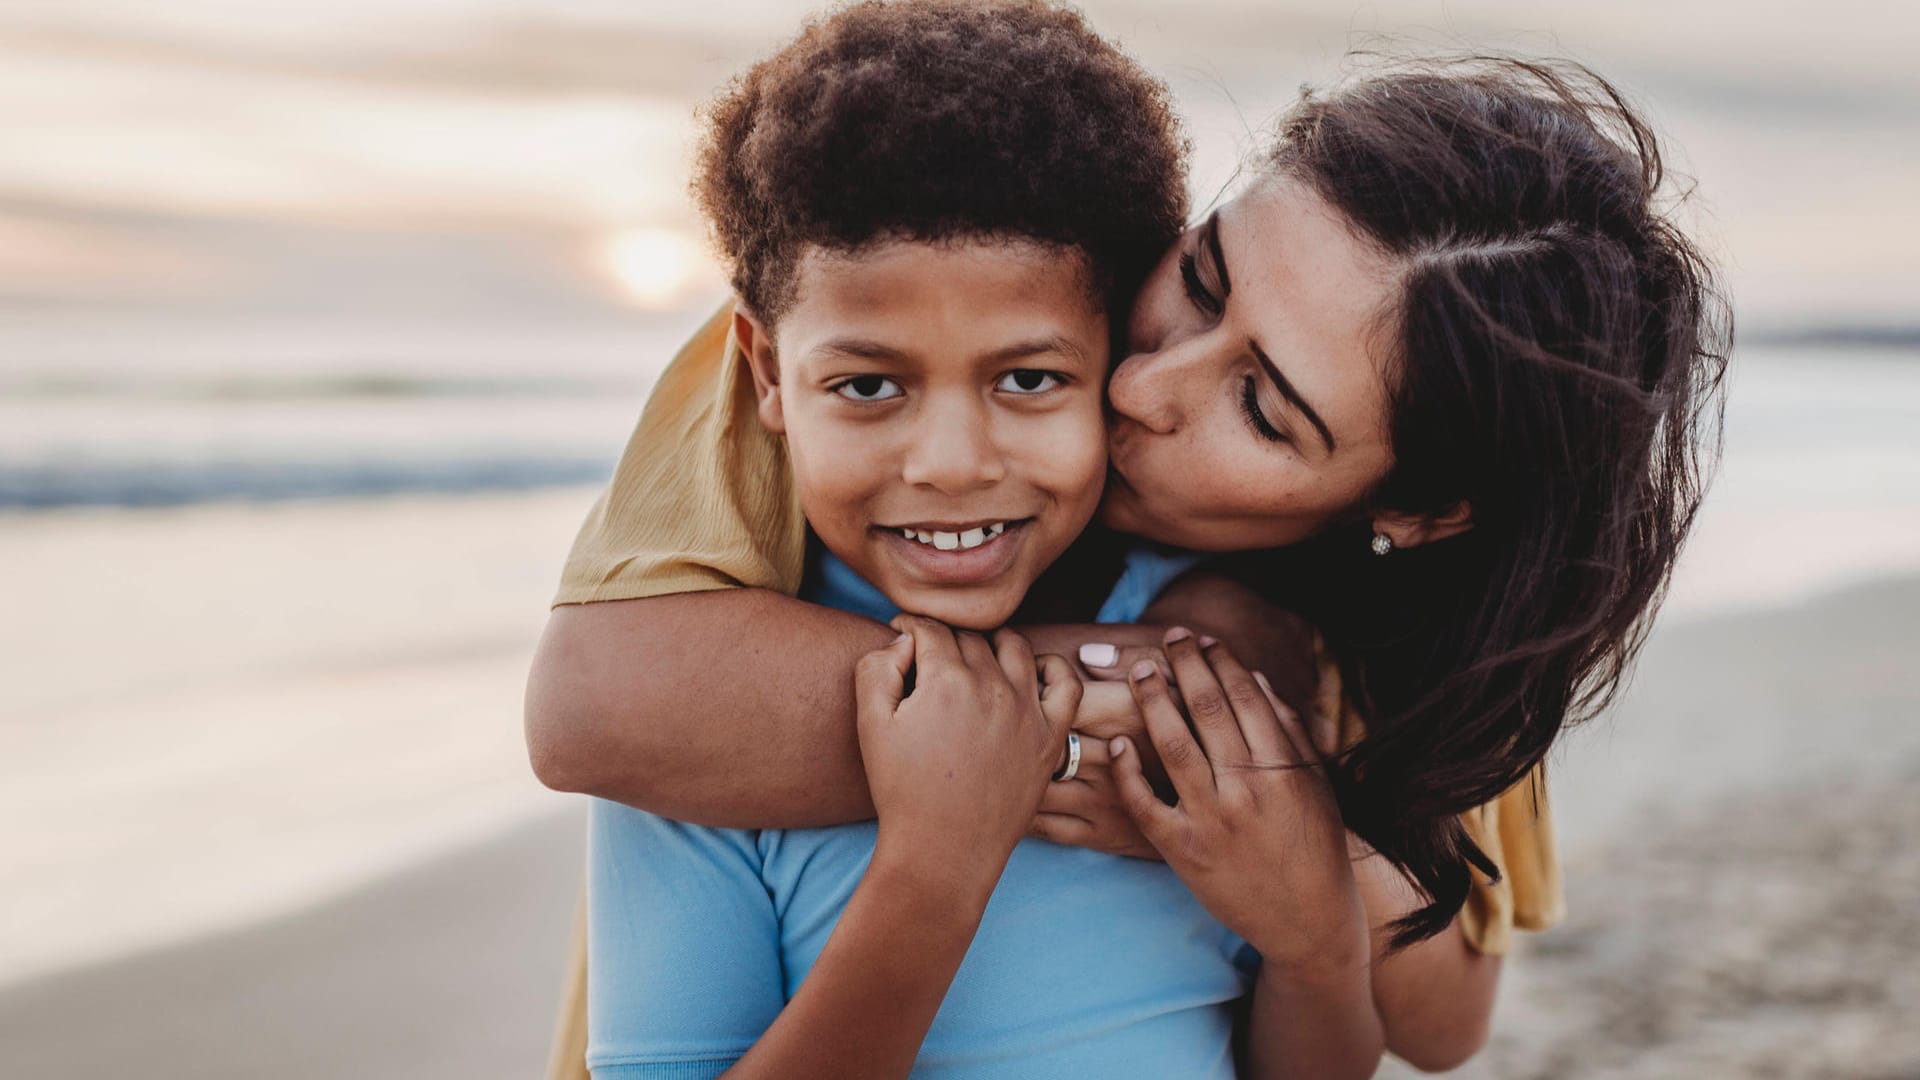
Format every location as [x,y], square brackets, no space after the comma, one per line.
[938,120]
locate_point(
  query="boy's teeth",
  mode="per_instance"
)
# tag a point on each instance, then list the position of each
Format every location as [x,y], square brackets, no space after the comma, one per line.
[962,541]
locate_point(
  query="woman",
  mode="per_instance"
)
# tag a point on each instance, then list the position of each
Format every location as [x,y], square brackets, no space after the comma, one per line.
[1446,352]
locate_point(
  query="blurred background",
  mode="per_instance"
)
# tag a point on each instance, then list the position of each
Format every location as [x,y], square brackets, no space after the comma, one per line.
[321,322]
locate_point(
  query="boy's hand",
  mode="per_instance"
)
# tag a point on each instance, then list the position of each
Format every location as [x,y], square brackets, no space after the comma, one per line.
[957,767]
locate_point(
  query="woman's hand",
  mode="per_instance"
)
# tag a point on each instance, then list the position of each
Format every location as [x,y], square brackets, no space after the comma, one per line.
[1256,833]
[1086,810]
[957,766]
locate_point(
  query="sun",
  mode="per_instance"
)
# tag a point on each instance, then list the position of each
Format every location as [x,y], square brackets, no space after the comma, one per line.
[654,268]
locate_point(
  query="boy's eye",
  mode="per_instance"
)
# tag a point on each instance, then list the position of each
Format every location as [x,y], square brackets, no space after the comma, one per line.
[867,388]
[1028,381]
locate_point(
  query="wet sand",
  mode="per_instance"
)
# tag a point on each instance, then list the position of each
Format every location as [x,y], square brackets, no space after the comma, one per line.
[1742,862]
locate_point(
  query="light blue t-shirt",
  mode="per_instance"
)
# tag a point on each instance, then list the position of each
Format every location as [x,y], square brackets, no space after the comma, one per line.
[1085,965]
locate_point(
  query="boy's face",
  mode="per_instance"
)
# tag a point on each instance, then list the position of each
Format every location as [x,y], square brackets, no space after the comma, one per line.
[942,405]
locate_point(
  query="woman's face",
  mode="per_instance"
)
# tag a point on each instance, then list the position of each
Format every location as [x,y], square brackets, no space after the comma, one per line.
[1252,409]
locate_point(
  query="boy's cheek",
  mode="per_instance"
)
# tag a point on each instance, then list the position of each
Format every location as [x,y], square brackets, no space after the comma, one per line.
[1069,456]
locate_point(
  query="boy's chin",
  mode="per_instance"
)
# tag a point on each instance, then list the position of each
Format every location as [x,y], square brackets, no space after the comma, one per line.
[985,610]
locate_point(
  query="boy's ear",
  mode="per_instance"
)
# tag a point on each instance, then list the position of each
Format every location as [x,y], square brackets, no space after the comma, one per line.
[1412,530]
[757,344]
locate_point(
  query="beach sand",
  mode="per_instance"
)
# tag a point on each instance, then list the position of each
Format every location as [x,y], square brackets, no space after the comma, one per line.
[249,850]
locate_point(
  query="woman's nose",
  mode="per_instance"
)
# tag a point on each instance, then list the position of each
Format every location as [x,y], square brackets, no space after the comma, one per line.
[1148,388]
[953,452]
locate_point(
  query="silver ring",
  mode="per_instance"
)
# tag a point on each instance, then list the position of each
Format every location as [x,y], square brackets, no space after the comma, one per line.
[1073,758]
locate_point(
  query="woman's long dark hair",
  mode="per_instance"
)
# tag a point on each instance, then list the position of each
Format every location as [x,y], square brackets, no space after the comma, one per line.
[1558,348]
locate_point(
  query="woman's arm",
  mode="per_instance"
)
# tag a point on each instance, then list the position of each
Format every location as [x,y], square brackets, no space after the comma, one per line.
[731,708]
[624,703]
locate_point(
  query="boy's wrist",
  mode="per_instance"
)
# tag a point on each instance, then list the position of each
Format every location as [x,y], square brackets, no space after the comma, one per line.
[951,876]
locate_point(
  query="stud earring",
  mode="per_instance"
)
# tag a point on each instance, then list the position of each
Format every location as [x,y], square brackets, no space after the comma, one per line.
[1382,543]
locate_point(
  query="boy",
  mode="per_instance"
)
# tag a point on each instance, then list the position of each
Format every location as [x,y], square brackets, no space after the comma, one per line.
[931,211]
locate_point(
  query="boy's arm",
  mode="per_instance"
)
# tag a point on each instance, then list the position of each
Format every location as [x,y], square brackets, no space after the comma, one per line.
[732,708]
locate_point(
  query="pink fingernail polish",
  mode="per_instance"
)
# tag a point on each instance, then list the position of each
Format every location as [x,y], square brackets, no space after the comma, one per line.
[1099,654]
[1178,633]
[1208,641]
[1143,669]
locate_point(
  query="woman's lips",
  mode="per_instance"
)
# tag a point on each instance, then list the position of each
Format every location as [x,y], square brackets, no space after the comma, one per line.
[969,566]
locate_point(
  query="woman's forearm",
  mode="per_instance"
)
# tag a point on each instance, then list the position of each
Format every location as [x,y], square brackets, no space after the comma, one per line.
[732,708]
[866,1005]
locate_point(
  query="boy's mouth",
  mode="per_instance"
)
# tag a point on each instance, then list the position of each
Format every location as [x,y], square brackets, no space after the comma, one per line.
[957,553]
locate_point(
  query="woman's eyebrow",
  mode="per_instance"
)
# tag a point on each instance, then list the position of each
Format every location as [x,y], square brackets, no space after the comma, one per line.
[1210,233]
[1293,397]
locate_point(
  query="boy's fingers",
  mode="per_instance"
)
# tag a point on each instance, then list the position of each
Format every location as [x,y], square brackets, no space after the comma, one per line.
[975,651]
[880,678]
[933,644]
[1016,661]
[1187,767]
[1154,818]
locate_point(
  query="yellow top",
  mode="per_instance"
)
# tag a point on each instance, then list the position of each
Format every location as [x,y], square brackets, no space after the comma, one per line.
[703,499]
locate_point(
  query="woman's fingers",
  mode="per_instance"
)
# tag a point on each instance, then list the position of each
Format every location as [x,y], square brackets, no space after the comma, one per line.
[1155,819]
[1207,702]
[880,678]
[1301,744]
[1063,829]
[1111,663]
[1254,709]
[1073,797]
[1060,694]
[1186,764]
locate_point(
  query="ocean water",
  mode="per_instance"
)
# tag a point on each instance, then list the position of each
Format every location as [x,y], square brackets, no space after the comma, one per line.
[1820,482]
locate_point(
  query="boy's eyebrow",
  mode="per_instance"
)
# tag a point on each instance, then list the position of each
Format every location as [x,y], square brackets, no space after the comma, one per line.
[1053,343]
[868,349]
[863,348]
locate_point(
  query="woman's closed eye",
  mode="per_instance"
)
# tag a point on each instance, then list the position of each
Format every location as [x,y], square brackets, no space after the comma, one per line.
[1029,381]
[1256,417]
[1197,291]
[865,388]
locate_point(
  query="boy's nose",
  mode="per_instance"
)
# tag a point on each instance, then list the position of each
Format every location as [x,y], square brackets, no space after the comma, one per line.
[953,452]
